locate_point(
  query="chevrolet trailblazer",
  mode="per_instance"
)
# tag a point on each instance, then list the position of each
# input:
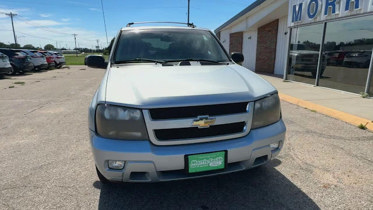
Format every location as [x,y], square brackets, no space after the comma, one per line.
[174,105]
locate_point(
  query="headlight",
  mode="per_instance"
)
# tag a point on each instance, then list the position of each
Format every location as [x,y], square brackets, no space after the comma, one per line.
[117,122]
[266,111]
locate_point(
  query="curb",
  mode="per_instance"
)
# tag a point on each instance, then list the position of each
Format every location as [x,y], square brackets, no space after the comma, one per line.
[348,118]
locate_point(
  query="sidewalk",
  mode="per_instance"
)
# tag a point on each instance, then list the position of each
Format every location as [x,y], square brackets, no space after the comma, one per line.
[348,107]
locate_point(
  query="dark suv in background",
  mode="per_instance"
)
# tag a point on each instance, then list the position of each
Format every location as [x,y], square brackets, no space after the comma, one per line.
[19,60]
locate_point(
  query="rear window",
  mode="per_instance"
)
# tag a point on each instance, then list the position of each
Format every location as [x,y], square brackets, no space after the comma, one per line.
[28,52]
[7,52]
[21,53]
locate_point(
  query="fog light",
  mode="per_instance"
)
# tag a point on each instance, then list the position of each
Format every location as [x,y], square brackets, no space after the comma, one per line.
[116,164]
[275,145]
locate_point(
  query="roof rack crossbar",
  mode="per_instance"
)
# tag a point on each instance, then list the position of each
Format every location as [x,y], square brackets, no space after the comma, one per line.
[188,24]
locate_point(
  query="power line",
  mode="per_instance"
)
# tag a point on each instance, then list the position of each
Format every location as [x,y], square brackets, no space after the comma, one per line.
[41,27]
[103,15]
[27,21]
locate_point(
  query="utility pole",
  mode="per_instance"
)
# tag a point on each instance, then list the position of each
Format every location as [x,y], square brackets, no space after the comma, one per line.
[98,45]
[14,33]
[188,10]
[76,52]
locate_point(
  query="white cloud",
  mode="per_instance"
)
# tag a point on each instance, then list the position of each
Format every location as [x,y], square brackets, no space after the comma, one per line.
[15,11]
[94,9]
[39,23]
[48,31]
[45,15]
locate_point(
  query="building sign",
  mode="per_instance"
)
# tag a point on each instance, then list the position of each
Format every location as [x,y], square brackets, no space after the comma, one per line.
[309,11]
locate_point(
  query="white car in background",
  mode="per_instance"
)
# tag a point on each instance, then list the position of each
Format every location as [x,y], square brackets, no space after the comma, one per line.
[59,59]
[5,66]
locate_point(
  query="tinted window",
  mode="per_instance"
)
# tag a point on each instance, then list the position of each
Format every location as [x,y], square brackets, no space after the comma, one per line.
[168,45]
[19,53]
[7,52]
[28,52]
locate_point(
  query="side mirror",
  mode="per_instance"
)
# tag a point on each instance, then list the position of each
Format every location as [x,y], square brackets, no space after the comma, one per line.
[95,61]
[237,57]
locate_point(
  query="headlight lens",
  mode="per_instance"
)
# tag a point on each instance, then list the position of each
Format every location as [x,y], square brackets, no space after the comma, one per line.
[266,111]
[117,122]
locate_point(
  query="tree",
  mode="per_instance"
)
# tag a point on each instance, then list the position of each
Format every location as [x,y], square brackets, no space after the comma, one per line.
[3,45]
[49,47]
[15,46]
[108,49]
[28,46]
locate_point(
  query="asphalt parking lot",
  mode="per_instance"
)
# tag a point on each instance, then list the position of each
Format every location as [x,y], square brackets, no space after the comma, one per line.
[46,160]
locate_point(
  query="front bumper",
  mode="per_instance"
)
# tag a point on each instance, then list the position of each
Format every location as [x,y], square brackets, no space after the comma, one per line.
[51,65]
[5,70]
[42,66]
[27,67]
[146,162]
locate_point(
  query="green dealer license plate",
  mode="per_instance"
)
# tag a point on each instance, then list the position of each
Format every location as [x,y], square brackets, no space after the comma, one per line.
[206,162]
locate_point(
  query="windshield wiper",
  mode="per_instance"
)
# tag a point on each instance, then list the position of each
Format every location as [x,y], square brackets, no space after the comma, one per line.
[139,60]
[198,60]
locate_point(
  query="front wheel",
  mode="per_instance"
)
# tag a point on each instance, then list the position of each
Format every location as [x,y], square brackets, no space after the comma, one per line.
[101,177]
[12,71]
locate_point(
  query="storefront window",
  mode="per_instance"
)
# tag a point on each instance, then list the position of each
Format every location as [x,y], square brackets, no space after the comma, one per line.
[304,53]
[347,49]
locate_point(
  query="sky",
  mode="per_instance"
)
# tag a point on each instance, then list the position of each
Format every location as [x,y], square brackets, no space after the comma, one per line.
[41,22]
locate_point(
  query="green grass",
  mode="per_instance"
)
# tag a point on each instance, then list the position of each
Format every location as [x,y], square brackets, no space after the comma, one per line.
[72,59]
[19,83]
[363,127]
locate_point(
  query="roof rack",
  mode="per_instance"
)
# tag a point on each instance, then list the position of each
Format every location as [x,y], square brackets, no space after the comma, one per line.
[188,24]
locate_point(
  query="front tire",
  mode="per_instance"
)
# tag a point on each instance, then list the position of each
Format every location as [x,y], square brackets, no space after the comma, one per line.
[12,71]
[101,177]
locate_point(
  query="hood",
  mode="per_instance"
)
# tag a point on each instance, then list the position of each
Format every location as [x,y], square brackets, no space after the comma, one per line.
[154,85]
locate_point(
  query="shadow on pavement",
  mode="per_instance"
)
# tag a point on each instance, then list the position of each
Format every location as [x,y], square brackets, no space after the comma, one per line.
[261,188]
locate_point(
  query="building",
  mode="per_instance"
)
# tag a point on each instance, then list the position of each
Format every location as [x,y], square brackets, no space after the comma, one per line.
[322,42]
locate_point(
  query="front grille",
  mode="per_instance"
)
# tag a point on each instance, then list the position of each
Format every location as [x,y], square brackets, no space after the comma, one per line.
[194,111]
[193,132]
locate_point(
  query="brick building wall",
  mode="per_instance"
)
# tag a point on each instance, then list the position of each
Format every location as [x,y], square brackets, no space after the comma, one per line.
[266,48]
[235,42]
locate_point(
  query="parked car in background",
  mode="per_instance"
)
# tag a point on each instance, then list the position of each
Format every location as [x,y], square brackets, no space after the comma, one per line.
[50,59]
[59,59]
[336,57]
[5,66]
[19,61]
[360,59]
[37,59]
[92,56]
[302,59]
[44,65]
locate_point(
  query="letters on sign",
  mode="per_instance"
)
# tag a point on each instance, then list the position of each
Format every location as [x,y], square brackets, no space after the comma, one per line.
[306,11]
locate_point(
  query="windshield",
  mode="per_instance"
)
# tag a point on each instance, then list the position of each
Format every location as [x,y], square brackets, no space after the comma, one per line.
[168,45]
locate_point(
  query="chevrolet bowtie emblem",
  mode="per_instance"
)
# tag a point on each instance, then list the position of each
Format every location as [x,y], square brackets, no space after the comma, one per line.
[203,122]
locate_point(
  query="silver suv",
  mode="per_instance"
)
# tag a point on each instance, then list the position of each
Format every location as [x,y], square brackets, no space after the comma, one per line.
[174,105]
